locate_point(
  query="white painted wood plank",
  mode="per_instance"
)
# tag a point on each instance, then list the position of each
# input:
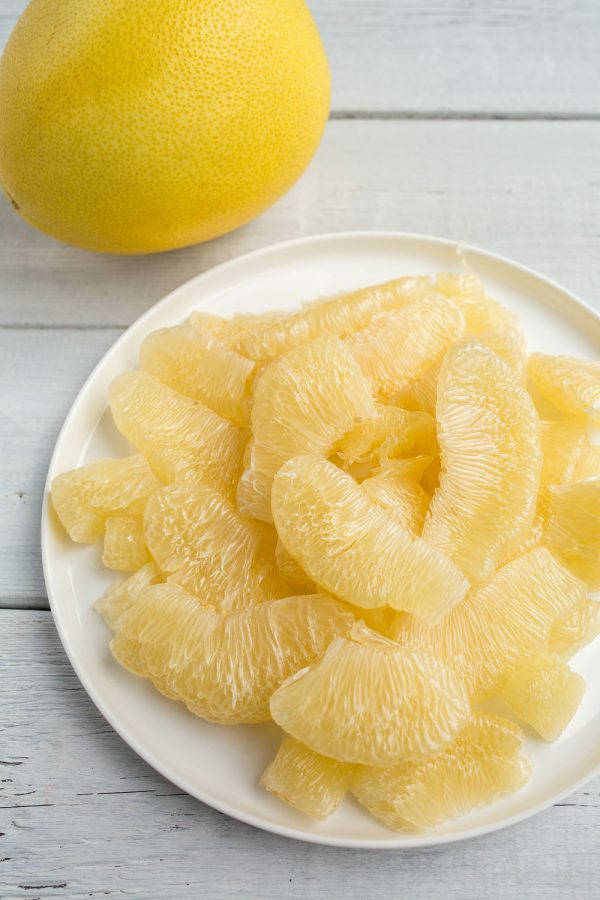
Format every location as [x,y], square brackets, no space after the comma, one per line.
[452,56]
[530,190]
[81,814]
[40,372]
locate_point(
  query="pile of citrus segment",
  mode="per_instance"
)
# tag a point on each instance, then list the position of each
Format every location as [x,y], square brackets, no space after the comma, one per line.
[365,520]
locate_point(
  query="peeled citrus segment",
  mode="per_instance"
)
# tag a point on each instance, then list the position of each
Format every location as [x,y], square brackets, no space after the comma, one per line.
[489,437]
[397,348]
[119,597]
[531,539]
[544,693]
[124,544]
[573,532]
[84,498]
[563,443]
[588,463]
[495,627]
[267,336]
[224,667]
[181,438]
[480,765]
[311,783]
[403,498]
[200,366]
[352,548]
[576,630]
[371,701]
[304,402]
[572,385]
[289,569]
[393,432]
[480,311]
[203,544]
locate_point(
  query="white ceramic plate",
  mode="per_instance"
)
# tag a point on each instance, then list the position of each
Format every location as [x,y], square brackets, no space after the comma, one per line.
[221,765]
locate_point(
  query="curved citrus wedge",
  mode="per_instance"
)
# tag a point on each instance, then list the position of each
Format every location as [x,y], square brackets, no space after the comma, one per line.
[563,443]
[488,432]
[304,402]
[397,348]
[482,764]
[495,627]
[181,438]
[124,544]
[267,336]
[403,498]
[119,597]
[306,780]
[198,365]
[480,311]
[226,667]
[352,548]
[573,532]
[544,693]
[392,433]
[588,463]
[577,629]
[371,701]
[204,545]
[572,385]
[85,498]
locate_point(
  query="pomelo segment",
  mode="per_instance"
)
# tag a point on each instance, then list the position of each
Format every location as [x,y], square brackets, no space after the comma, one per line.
[299,409]
[577,629]
[403,498]
[226,667]
[393,433]
[489,437]
[371,701]
[480,311]
[85,498]
[482,764]
[120,596]
[352,548]
[311,783]
[182,439]
[573,532]
[202,543]
[572,385]
[199,366]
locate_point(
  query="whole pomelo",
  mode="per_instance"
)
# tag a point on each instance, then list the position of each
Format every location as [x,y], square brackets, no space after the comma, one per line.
[135,126]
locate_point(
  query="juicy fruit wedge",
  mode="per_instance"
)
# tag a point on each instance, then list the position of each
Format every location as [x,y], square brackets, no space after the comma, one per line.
[119,597]
[403,498]
[85,498]
[544,693]
[304,402]
[124,544]
[562,443]
[289,569]
[204,545]
[352,548]
[480,311]
[394,432]
[588,463]
[397,348]
[306,780]
[495,627]
[266,337]
[226,667]
[577,629]
[572,385]
[489,437]
[482,764]
[180,438]
[573,532]
[198,365]
[371,701]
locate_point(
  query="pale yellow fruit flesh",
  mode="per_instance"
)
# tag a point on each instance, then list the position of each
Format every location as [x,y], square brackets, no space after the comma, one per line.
[124,544]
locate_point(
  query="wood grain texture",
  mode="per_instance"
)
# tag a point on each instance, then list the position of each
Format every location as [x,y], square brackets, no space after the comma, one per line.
[530,190]
[452,57]
[81,815]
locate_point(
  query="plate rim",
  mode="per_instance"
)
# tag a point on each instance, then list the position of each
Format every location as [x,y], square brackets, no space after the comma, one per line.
[396,841]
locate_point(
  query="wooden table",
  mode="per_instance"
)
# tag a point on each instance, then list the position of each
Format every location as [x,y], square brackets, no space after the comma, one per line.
[474,119]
